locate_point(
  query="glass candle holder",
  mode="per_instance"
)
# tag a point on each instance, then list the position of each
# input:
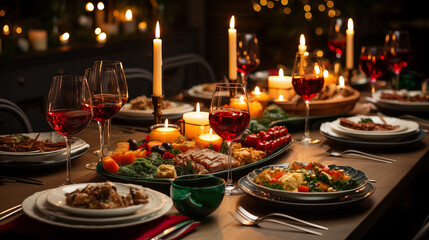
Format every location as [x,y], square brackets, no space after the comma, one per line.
[164,132]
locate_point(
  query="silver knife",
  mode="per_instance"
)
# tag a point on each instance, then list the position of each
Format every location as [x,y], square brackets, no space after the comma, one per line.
[171,229]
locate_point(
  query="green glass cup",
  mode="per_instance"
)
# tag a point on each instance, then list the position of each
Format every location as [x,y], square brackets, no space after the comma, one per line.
[197,196]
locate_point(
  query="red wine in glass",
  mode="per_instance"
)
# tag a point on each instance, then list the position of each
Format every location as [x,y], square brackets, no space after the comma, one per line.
[68,122]
[229,123]
[105,106]
[307,87]
[337,46]
[374,66]
[399,60]
[244,66]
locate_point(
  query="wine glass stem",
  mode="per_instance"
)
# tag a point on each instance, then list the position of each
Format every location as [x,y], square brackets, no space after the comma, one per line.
[109,134]
[229,183]
[68,146]
[397,80]
[243,78]
[373,80]
[101,129]
[307,114]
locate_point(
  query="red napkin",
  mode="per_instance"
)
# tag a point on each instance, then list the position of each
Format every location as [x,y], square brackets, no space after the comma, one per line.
[24,227]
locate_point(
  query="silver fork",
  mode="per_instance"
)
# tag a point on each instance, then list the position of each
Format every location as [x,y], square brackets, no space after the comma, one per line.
[357,153]
[246,213]
[248,222]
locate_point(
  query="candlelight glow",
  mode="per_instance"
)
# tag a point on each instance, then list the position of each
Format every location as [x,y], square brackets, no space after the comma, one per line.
[166,123]
[241,98]
[64,37]
[341,82]
[100,6]
[157,31]
[281,73]
[89,7]
[97,31]
[257,91]
[6,30]
[101,37]
[142,25]
[316,69]
[325,73]
[129,15]
[302,40]
[198,107]
[18,30]
[232,22]
[350,24]
[281,97]
[211,133]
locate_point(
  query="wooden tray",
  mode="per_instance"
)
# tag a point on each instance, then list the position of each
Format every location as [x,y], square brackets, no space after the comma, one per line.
[321,107]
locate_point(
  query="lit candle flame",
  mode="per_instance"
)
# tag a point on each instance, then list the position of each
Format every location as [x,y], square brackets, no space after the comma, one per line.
[97,31]
[281,73]
[89,7]
[316,69]
[350,24]
[129,15]
[341,82]
[281,97]
[166,123]
[211,134]
[241,98]
[64,37]
[157,31]
[232,22]
[325,73]
[102,36]
[302,40]
[198,107]
[257,91]
[100,6]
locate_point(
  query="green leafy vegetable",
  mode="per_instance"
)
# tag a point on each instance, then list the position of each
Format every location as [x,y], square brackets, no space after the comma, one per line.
[272,113]
[273,185]
[144,167]
[256,127]
[22,138]
[366,120]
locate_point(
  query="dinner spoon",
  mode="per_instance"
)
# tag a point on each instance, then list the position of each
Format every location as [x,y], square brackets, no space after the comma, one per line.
[328,149]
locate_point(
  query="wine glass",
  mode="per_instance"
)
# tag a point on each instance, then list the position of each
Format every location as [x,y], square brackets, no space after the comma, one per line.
[307,81]
[69,109]
[398,50]
[106,101]
[229,117]
[337,36]
[373,62]
[120,75]
[247,54]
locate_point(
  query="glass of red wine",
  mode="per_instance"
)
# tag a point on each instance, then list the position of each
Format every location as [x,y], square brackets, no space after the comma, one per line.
[229,117]
[373,62]
[307,81]
[69,109]
[120,75]
[337,36]
[106,101]
[398,49]
[247,54]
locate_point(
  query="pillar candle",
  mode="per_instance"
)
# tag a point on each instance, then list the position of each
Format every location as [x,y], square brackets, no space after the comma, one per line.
[196,123]
[302,47]
[232,36]
[157,63]
[38,39]
[349,44]
[164,132]
[208,138]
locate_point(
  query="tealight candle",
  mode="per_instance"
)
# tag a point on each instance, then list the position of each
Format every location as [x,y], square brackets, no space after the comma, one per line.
[239,103]
[38,39]
[129,24]
[279,85]
[164,132]
[101,38]
[196,123]
[260,96]
[64,38]
[206,139]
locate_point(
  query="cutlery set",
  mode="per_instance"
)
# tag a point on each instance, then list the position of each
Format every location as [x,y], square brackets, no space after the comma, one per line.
[357,153]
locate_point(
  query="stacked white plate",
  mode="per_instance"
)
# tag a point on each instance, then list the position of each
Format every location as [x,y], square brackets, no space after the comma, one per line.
[78,148]
[175,110]
[412,107]
[406,128]
[50,206]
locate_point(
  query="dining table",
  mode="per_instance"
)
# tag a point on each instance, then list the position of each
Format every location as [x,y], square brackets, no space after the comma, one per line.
[349,222]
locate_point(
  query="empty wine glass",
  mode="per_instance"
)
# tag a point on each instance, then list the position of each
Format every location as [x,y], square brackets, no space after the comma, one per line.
[69,109]
[120,75]
[106,101]
[373,62]
[307,81]
[229,117]
[398,50]
[247,54]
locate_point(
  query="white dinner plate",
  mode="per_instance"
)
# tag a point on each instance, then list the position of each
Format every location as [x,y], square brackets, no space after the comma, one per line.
[406,128]
[57,198]
[52,136]
[29,207]
[198,91]
[156,203]
[176,109]
[413,107]
[77,146]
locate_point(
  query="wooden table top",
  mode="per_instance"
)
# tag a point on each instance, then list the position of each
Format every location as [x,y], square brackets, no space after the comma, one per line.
[351,222]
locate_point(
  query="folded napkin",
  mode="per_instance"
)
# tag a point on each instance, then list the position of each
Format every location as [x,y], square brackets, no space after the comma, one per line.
[24,227]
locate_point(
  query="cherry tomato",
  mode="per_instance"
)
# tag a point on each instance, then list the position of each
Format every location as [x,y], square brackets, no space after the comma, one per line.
[264,136]
[288,138]
[276,144]
[268,147]
[283,132]
[276,134]
[260,146]
[271,133]
[282,141]
[251,140]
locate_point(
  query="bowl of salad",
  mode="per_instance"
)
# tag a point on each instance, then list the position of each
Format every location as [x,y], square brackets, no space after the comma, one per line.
[308,182]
